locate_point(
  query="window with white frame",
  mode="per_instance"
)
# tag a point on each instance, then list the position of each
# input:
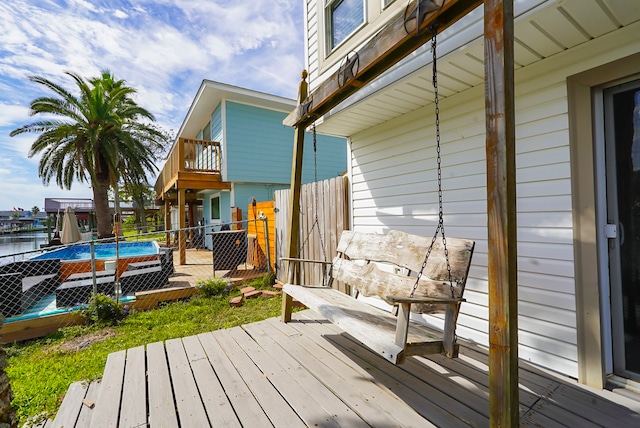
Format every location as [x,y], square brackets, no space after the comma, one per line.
[386,3]
[343,18]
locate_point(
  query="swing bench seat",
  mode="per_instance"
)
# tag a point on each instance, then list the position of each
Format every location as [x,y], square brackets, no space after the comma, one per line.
[382,266]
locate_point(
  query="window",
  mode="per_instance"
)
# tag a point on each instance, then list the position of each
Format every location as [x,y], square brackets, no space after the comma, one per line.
[386,3]
[206,132]
[215,208]
[344,17]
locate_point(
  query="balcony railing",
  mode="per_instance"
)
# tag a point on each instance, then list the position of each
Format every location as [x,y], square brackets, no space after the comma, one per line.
[190,156]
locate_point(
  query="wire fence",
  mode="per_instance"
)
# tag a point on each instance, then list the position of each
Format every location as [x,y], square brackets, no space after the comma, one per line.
[45,289]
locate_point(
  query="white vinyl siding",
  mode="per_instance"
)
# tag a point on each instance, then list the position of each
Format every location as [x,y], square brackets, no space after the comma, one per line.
[313,56]
[394,187]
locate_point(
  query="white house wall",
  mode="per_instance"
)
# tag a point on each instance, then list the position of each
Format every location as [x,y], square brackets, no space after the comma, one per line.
[394,187]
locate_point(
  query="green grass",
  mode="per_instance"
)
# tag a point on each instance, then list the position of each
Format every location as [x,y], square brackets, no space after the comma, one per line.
[41,370]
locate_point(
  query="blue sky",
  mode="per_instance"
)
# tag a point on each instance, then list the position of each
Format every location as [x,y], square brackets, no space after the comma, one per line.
[163,48]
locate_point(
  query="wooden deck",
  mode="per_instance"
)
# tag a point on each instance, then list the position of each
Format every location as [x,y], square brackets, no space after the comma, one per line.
[309,373]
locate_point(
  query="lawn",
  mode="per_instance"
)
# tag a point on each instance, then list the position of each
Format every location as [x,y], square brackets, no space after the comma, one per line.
[41,370]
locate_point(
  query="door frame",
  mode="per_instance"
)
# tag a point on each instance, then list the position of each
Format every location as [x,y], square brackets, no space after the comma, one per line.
[618,357]
[586,135]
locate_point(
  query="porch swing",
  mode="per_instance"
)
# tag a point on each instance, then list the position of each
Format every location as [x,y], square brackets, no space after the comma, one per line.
[412,273]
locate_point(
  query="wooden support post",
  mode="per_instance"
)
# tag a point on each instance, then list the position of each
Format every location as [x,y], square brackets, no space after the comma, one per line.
[294,217]
[501,210]
[192,221]
[182,239]
[449,346]
[402,326]
[167,221]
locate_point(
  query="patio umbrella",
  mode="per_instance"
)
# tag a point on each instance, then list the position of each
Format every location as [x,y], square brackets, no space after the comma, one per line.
[70,229]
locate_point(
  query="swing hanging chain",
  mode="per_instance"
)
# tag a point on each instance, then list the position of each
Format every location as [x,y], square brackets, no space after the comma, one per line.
[316,222]
[315,180]
[440,227]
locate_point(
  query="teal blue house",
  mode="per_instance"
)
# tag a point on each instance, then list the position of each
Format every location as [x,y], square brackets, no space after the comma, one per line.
[232,148]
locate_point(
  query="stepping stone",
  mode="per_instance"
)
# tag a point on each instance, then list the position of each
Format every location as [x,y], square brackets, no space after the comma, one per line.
[254,293]
[236,301]
[268,293]
[277,286]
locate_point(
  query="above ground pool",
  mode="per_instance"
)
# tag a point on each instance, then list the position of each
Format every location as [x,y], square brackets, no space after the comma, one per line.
[82,252]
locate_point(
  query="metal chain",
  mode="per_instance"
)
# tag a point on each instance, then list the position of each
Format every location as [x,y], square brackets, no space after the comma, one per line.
[316,222]
[440,227]
[315,180]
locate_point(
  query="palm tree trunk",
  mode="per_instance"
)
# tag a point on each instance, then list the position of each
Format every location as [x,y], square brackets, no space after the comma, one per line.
[103,213]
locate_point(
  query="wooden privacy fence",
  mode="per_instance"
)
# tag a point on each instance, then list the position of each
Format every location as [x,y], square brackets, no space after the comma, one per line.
[260,242]
[328,202]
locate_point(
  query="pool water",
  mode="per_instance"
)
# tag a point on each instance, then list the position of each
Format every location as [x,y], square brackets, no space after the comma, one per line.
[102,251]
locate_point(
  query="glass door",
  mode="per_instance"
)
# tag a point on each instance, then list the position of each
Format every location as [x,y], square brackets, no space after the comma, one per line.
[622,133]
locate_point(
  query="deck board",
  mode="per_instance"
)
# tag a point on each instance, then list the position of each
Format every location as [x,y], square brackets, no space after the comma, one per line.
[305,395]
[191,411]
[425,400]
[71,405]
[373,404]
[249,411]
[107,409]
[86,413]
[308,396]
[161,405]
[134,410]
[277,409]
[309,372]
[214,398]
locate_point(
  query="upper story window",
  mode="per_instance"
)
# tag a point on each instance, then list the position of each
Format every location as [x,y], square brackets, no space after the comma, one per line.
[343,17]
[206,132]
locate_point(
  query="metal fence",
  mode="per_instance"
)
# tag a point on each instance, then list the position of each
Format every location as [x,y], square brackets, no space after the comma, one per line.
[45,289]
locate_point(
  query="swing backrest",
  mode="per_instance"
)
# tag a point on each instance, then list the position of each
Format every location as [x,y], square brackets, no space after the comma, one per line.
[384,265]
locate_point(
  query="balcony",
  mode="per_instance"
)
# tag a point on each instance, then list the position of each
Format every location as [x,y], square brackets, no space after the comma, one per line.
[192,166]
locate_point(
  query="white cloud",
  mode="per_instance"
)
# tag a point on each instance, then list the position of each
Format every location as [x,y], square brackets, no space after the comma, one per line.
[11,113]
[120,14]
[163,48]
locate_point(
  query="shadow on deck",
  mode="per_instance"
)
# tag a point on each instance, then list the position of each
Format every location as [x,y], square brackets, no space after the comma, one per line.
[309,373]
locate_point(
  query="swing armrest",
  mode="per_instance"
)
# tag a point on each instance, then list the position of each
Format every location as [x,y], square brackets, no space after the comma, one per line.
[444,300]
[449,347]
[296,260]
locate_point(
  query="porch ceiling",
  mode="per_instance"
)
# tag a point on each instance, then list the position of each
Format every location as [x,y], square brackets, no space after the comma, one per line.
[542,29]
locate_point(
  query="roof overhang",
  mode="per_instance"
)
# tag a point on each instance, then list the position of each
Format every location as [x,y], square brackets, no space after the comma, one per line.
[407,86]
[211,94]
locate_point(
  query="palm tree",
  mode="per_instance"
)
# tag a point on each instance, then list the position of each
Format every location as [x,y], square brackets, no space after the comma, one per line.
[98,136]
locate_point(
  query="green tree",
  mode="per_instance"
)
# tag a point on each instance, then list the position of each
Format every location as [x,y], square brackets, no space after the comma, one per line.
[98,136]
[35,210]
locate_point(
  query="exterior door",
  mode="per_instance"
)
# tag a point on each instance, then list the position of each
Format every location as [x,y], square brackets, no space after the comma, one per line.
[622,135]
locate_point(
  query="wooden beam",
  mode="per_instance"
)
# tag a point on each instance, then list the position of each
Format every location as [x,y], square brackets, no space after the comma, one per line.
[381,52]
[167,222]
[501,210]
[294,216]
